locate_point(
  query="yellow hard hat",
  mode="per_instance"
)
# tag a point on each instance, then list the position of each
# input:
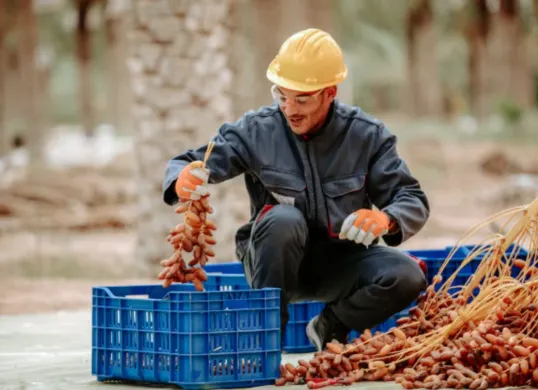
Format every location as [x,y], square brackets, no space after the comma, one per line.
[308,61]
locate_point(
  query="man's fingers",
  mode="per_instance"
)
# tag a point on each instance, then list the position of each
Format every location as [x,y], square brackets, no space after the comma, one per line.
[378,231]
[361,217]
[368,225]
[348,222]
[189,185]
[352,233]
[360,236]
[363,226]
[200,191]
[200,173]
[368,239]
[186,195]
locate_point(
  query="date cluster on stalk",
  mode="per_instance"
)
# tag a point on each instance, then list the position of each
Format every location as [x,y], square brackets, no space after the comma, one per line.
[193,243]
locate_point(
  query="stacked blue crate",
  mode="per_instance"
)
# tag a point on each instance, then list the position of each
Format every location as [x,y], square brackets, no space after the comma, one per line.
[295,340]
[435,258]
[300,313]
[516,251]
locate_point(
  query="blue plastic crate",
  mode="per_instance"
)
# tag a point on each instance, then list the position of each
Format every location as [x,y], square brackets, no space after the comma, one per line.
[385,326]
[295,338]
[435,258]
[220,338]
[234,267]
[442,253]
[521,253]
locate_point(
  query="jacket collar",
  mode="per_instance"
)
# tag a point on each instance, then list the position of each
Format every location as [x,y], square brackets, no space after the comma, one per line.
[328,131]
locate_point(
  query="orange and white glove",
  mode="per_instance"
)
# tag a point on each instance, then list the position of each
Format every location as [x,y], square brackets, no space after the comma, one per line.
[192,181]
[364,226]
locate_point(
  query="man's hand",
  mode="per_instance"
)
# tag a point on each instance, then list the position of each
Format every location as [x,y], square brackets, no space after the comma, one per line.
[364,226]
[192,181]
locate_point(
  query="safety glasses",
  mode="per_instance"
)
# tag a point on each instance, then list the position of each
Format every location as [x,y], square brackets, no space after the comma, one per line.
[300,100]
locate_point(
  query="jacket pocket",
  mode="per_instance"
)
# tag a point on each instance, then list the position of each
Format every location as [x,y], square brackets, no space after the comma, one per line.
[343,196]
[285,187]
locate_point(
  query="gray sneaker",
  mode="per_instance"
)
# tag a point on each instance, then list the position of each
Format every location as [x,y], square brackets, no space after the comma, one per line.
[324,328]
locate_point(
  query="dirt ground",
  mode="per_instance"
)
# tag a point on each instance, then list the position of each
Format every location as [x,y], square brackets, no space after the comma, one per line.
[50,351]
[55,270]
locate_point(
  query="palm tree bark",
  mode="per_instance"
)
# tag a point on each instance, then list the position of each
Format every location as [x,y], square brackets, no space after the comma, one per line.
[425,90]
[509,72]
[179,57]
[271,22]
[242,63]
[84,56]
[4,139]
[118,90]
[268,27]
[476,29]
[30,75]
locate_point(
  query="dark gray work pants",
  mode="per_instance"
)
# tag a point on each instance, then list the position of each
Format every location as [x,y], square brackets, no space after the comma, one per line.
[363,286]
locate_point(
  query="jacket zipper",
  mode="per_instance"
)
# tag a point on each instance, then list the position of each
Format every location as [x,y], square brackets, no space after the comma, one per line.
[314,188]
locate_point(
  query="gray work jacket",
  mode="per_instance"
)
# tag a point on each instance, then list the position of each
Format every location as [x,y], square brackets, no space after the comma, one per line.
[351,163]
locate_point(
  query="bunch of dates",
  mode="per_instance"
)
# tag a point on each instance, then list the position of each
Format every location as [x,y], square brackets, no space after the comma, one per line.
[193,243]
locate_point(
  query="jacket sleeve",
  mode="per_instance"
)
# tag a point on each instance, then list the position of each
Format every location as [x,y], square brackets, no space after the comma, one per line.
[229,158]
[393,189]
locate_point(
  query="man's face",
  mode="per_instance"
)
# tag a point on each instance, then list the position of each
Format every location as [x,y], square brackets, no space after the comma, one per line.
[305,111]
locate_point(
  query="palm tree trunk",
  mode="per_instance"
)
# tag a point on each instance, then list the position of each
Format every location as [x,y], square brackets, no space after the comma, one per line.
[84,56]
[320,14]
[268,27]
[425,90]
[243,64]
[271,22]
[179,67]
[30,76]
[509,72]
[118,92]
[4,138]
[476,32]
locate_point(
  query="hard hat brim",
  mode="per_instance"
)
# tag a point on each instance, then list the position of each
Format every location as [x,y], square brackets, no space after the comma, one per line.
[302,87]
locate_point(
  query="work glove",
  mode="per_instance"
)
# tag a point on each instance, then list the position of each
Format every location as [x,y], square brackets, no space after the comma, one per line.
[192,182]
[364,226]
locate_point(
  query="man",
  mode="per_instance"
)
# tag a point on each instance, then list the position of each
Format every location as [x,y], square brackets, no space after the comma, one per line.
[313,168]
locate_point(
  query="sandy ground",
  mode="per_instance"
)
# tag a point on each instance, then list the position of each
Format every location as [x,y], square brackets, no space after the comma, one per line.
[53,352]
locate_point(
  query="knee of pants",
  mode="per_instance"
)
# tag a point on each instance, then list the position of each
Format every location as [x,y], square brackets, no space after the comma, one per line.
[281,226]
[404,286]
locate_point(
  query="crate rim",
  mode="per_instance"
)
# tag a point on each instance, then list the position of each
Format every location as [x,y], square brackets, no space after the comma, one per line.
[110,294]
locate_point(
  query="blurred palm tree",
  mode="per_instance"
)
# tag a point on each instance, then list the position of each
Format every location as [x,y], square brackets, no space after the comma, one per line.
[476,20]
[84,60]
[446,41]
[266,25]
[371,34]
[30,67]
[180,71]
[4,139]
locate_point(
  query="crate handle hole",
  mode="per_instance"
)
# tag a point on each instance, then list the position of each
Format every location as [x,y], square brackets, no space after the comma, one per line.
[139,296]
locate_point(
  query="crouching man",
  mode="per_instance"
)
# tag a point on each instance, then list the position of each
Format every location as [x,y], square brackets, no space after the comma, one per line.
[314,167]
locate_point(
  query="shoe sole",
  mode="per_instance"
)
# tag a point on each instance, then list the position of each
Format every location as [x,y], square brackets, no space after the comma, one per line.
[313,336]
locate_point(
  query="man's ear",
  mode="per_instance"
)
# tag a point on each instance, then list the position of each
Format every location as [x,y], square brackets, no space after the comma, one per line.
[331,92]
